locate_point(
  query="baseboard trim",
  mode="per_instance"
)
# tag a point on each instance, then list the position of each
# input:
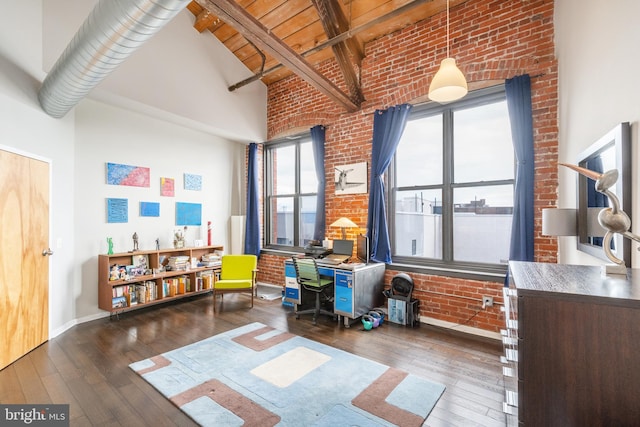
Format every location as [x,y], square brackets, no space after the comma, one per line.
[460,328]
[70,324]
[269,285]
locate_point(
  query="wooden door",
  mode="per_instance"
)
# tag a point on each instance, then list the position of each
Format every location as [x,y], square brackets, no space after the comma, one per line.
[24,270]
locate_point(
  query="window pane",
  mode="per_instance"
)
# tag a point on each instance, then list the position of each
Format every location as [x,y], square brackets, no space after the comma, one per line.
[284,165]
[308,177]
[419,154]
[483,150]
[282,227]
[307,218]
[482,223]
[418,223]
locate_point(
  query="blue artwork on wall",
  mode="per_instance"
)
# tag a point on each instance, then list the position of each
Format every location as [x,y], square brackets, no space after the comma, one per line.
[192,182]
[188,213]
[149,209]
[117,210]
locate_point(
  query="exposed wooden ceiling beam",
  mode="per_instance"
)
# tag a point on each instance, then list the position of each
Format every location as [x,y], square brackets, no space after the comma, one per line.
[334,23]
[342,37]
[204,20]
[250,28]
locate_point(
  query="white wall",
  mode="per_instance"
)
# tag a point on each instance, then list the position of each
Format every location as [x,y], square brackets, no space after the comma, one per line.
[25,128]
[597,48]
[79,145]
[110,134]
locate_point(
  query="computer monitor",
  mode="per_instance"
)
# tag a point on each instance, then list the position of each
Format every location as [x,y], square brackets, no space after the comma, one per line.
[363,248]
[343,247]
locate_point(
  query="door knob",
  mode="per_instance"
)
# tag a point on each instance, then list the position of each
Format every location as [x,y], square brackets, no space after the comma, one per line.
[46,252]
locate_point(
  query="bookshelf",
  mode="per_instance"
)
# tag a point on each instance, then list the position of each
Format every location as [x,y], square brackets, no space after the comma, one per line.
[132,280]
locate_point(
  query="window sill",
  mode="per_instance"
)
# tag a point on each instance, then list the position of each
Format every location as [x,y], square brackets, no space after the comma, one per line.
[461,272]
[469,273]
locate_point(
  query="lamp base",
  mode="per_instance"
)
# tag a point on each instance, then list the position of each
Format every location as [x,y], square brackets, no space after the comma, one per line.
[614,270]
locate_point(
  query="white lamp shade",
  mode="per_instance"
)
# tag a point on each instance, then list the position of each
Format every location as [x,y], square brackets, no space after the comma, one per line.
[448,84]
[344,222]
[559,222]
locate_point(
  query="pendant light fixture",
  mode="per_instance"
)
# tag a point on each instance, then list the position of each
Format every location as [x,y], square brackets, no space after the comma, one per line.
[449,83]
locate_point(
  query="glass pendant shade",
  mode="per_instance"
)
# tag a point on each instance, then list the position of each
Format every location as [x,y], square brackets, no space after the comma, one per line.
[448,84]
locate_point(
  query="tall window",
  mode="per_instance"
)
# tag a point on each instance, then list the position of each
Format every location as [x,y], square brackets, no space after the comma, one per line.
[291,192]
[452,184]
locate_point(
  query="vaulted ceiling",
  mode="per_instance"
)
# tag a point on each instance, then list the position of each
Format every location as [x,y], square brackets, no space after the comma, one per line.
[274,38]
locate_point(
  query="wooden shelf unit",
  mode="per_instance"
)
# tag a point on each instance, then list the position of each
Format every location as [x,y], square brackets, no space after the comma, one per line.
[106,286]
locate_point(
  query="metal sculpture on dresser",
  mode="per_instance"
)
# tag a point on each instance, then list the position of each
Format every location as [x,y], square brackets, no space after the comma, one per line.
[613,219]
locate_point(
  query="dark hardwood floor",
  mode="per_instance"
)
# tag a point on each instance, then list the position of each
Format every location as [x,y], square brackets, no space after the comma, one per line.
[87,366]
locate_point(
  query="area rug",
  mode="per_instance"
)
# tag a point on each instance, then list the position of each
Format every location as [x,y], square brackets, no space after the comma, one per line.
[256,375]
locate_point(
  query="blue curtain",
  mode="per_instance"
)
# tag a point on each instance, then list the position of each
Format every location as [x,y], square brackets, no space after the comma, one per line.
[317,141]
[518,91]
[252,224]
[388,126]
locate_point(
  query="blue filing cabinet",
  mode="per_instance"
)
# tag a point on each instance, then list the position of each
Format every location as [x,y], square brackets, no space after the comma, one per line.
[357,287]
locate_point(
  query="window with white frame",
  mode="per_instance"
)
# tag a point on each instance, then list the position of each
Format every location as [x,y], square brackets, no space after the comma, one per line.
[452,184]
[291,190]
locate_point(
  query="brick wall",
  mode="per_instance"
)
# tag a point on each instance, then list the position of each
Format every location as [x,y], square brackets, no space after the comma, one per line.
[491,41]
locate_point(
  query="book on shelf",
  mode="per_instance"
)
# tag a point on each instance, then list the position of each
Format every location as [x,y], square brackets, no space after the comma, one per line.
[210,260]
[132,295]
[141,293]
[151,291]
[206,278]
[182,285]
[178,262]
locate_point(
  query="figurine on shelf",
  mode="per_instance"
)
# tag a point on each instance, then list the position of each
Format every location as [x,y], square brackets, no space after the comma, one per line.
[178,239]
[158,244]
[135,242]
[110,244]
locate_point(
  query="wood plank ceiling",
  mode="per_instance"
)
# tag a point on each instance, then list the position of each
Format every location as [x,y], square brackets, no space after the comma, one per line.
[275,38]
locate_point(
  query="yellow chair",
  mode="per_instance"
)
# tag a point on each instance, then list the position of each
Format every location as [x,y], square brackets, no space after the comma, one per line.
[237,274]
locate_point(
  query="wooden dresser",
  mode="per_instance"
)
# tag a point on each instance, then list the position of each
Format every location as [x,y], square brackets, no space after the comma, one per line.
[572,344]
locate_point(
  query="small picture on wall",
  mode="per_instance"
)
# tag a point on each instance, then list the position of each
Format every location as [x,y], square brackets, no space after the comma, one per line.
[351,179]
[149,209]
[167,187]
[192,182]
[117,210]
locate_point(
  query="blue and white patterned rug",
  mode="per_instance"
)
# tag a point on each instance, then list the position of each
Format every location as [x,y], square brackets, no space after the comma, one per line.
[260,376]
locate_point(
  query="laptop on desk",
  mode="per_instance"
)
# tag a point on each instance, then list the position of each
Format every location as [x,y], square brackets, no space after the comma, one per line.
[342,251]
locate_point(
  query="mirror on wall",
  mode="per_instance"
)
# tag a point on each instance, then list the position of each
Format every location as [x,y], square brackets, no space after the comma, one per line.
[612,151]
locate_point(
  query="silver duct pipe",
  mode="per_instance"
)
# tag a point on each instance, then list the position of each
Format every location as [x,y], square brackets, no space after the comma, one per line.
[112,32]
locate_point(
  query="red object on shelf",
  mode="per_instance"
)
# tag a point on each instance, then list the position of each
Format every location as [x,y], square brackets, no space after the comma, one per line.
[209,233]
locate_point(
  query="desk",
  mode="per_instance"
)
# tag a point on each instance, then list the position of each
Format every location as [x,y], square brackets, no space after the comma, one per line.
[357,287]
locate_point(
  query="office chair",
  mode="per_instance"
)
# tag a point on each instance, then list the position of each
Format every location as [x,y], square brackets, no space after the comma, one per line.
[237,274]
[309,278]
